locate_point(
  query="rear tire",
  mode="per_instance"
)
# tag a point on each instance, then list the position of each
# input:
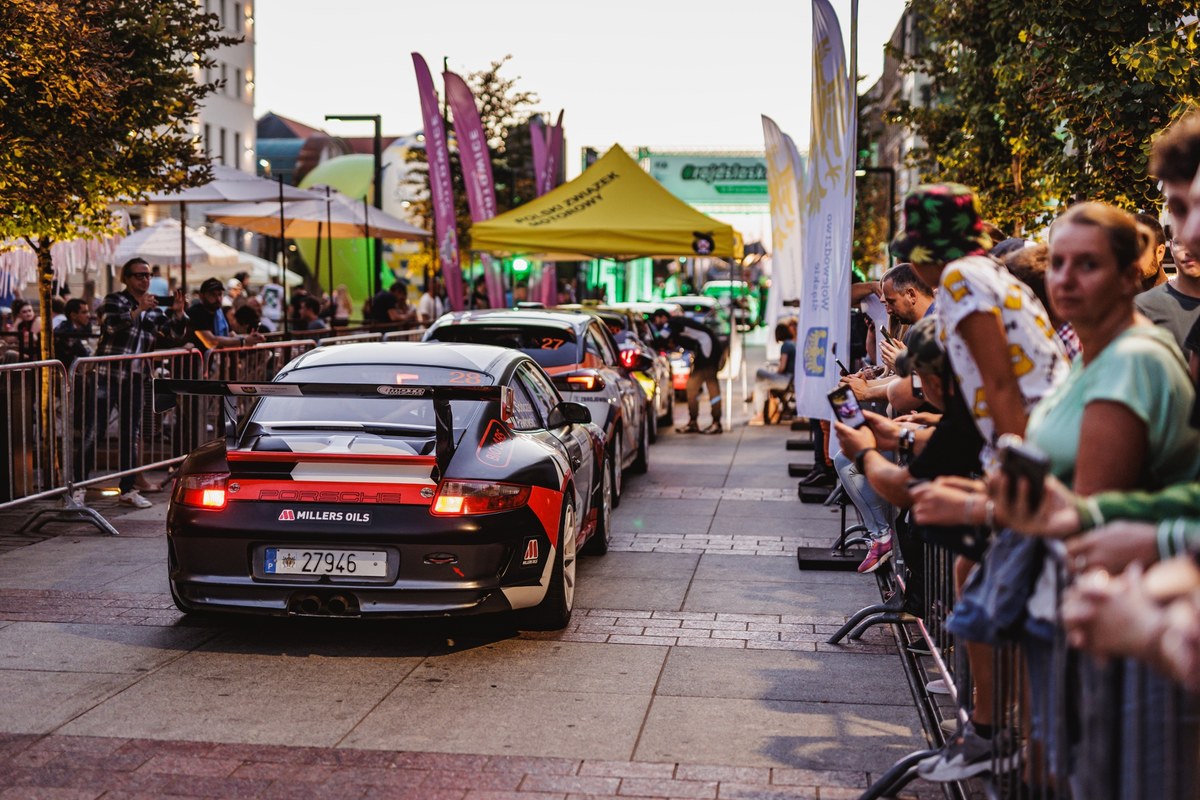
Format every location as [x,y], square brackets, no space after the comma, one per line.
[554,612]
[652,421]
[616,457]
[598,544]
[642,462]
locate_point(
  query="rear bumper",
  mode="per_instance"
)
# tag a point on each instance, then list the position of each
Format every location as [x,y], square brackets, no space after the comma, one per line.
[436,566]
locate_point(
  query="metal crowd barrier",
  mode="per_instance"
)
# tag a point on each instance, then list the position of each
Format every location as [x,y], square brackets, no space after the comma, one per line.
[103,425]
[1067,726]
[32,455]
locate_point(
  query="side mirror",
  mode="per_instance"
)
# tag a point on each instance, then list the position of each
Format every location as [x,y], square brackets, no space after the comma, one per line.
[568,413]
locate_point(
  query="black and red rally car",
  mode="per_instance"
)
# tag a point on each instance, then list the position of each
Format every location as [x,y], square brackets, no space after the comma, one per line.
[391,479]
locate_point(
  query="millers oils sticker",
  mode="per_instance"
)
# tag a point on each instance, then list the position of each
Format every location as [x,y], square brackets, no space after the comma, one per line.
[303,515]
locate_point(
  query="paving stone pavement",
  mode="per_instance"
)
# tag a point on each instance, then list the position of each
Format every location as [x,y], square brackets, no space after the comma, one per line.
[695,666]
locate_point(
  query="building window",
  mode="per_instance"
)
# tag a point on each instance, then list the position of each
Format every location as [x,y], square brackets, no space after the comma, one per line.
[207,140]
[237,83]
[224,17]
[221,157]
[237,17]
[237,149]
[224,77]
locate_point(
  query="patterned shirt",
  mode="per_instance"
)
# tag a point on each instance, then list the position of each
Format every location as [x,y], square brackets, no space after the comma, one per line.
[1070,340]
[123,334]
[977,284]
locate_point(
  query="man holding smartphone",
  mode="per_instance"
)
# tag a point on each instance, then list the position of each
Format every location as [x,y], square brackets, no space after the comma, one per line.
[907,299]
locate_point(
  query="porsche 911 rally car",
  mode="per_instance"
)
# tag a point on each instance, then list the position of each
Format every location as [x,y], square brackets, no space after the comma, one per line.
[390,480]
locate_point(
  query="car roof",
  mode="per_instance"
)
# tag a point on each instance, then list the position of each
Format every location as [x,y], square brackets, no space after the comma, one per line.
[693,300]
[504,316]
[475,357]
[649,306]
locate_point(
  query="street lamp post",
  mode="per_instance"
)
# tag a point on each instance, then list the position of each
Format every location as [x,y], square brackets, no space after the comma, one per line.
[377,199]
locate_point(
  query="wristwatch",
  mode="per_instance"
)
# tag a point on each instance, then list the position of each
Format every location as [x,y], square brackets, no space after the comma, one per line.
[907,439]
[860,458]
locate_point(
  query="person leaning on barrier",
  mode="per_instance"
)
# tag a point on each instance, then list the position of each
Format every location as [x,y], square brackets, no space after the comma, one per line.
[1005,358]
[309,315]
[391,306]
[131,322]
[71,335]
[208,324]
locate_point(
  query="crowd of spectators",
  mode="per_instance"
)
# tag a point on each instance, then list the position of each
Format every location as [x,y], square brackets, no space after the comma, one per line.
[1077,358]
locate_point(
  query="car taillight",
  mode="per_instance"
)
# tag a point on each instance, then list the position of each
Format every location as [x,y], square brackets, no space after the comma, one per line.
[203,490]
[455,498]
[581,381]
[628,358]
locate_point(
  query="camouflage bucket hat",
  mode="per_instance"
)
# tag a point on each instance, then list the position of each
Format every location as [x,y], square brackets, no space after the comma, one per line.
[941,224]
[924,352]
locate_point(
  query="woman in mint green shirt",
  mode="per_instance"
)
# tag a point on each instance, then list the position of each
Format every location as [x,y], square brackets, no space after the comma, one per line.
[1119,420]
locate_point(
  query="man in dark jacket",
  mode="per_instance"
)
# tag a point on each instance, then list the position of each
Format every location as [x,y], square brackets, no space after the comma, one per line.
[707,351]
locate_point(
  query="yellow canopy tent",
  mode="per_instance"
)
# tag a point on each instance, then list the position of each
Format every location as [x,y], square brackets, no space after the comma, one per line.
[613,210]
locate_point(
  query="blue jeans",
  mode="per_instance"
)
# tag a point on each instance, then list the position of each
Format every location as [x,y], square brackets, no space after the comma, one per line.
[125,392]
[876,512]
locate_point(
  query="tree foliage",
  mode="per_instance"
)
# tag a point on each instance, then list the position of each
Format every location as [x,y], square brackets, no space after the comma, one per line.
[505,112]
[96,97]
[1037,104]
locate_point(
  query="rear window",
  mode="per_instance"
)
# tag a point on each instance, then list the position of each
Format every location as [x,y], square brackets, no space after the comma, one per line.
[547,345]
[384,412]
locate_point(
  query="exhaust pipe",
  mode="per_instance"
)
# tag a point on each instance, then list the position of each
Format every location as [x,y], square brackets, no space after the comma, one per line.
[309,604]
[338,605]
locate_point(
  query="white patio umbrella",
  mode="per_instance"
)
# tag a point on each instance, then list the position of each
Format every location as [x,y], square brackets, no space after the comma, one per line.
[159,244]
[261,271]
[334,215]
[231,185]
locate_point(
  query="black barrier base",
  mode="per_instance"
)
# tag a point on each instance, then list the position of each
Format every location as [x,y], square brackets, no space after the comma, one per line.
[798,470]
[799,424]
[799,444]
[814,494]
[825,560]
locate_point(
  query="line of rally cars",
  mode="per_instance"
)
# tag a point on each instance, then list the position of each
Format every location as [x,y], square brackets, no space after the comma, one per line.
[459,475]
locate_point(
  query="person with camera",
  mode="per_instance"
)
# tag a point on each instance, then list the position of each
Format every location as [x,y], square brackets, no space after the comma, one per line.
[131,322]
[708,353]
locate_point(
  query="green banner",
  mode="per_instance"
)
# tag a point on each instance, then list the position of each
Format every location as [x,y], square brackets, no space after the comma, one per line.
[733,179]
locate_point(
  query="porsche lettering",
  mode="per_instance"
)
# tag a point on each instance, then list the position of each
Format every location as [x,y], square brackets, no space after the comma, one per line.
[314,496]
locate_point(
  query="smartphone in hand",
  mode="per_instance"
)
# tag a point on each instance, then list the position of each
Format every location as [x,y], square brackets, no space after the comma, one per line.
[917,390]
[841,366]
[1021,461]
[846,408]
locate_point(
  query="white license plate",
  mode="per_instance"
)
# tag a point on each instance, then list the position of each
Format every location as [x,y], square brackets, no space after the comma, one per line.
[314,561]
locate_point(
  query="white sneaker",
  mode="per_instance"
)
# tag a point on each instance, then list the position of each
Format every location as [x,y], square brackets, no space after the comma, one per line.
[937,687]
[134,498]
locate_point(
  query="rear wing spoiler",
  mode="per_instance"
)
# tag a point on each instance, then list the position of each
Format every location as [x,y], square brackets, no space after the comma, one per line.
[166,390]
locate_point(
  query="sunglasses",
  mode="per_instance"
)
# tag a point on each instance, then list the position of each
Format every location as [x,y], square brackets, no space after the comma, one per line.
[139,274]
